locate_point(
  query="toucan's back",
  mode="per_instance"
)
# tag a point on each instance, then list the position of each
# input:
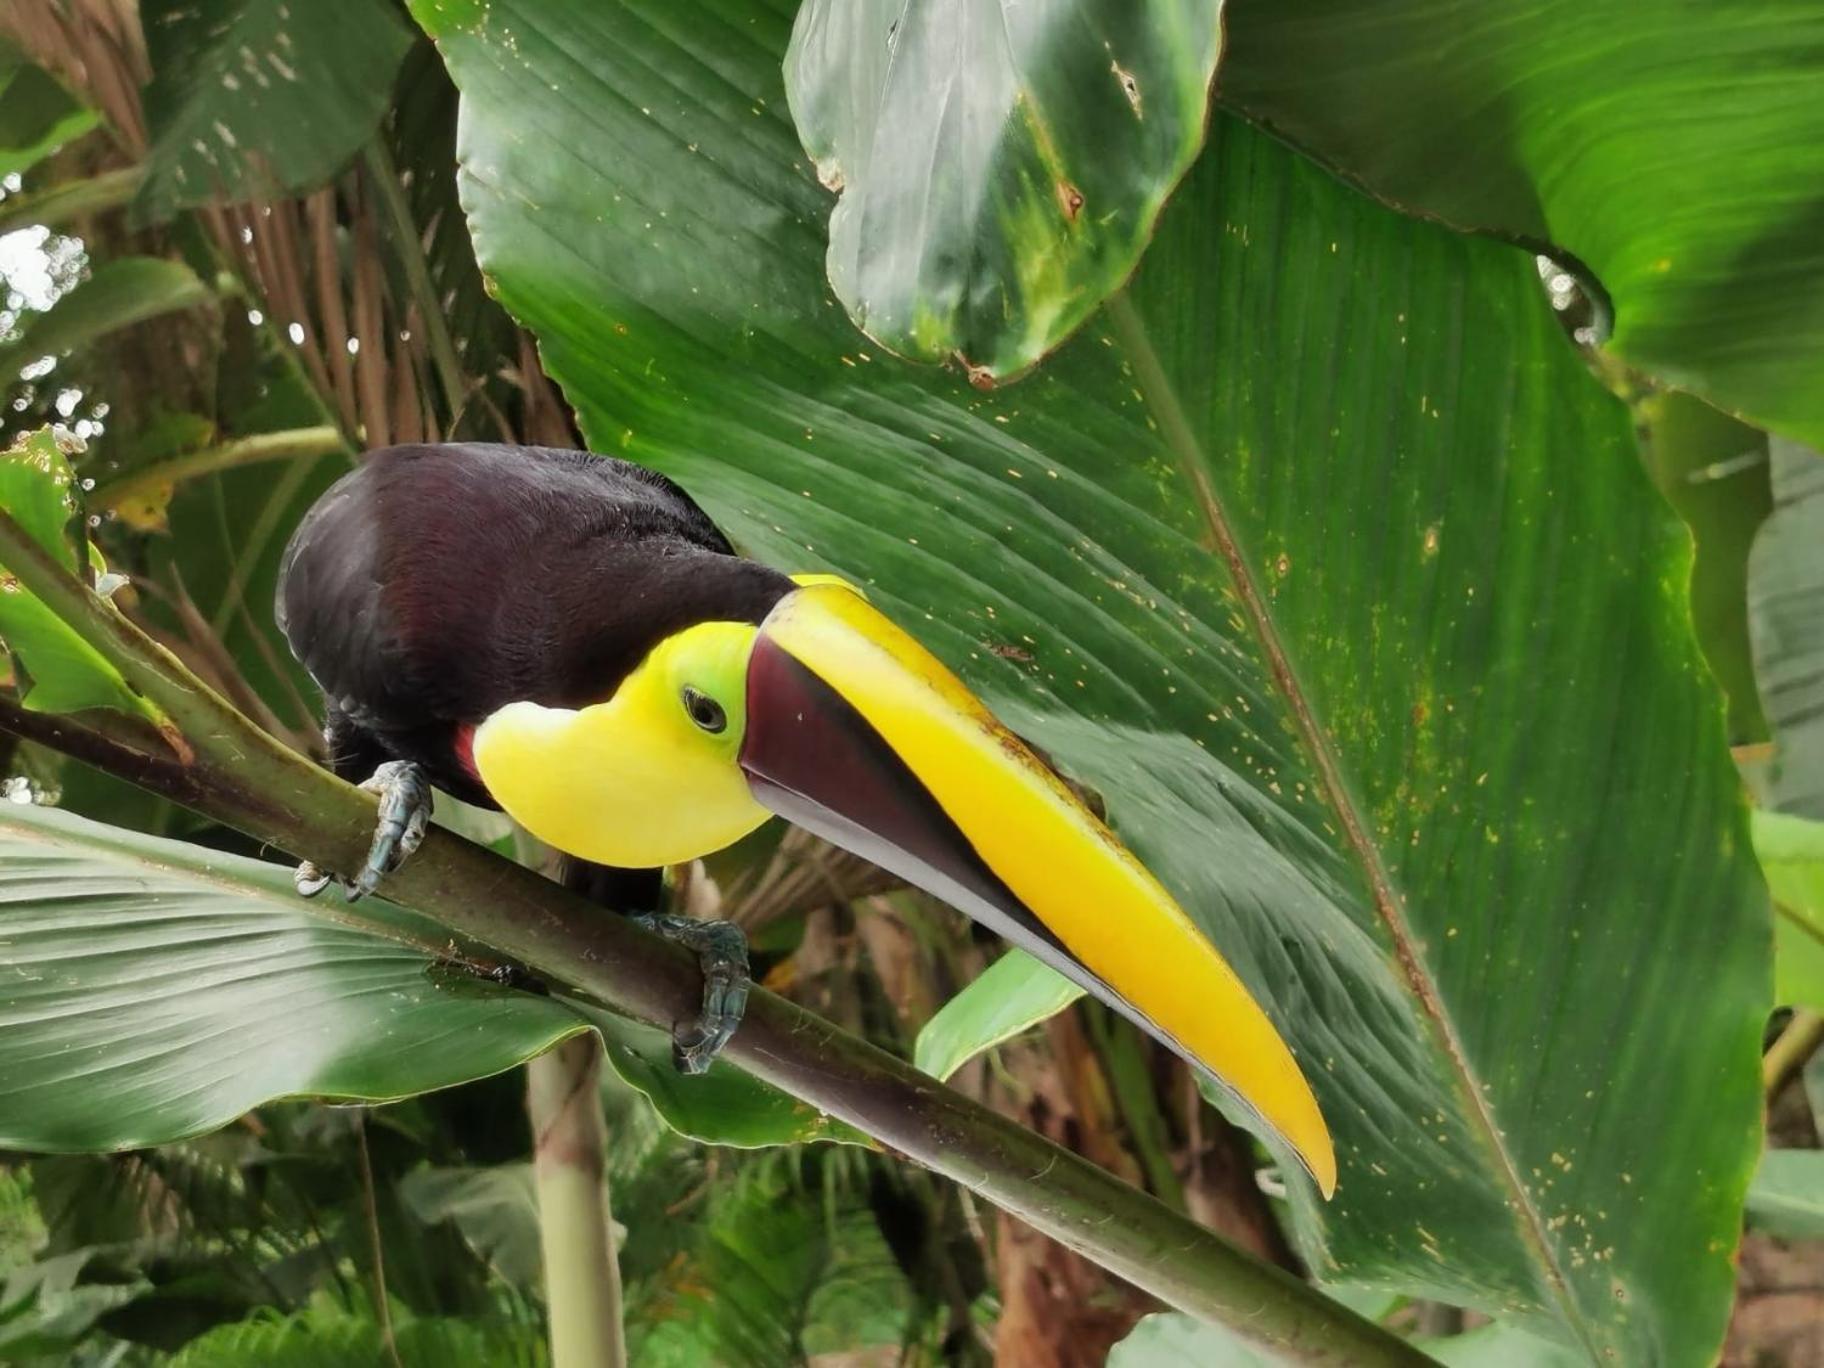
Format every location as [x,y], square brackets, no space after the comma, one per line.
[434,584]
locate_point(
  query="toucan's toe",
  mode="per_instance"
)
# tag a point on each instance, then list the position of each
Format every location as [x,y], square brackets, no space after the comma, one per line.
[721,949]
[405,810]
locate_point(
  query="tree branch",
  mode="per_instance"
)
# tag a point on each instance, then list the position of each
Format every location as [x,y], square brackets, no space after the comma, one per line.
[244,778]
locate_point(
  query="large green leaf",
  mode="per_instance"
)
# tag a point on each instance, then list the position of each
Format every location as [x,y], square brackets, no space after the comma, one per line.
[1786,621]
[1324,561]
[495,1208]
[1677,151]
[154,990]
[161,989]
[250,97]
[117,295]
[59,671]
[1000,166]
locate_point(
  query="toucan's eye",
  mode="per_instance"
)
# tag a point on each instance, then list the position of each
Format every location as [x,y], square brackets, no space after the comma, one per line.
[704,710]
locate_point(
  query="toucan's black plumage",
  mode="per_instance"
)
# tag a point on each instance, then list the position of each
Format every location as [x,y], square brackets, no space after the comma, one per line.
[434,584]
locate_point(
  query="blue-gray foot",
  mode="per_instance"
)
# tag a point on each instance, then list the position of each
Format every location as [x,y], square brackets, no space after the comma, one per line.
[721,949]
[405,809]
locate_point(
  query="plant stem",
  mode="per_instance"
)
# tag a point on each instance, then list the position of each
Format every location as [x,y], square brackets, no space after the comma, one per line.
[268,446]
[242,777]
[1800,1040]
[370,1203]
[575,1226]
[410,248]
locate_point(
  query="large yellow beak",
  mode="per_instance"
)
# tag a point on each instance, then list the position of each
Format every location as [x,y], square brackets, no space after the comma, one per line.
[858,733]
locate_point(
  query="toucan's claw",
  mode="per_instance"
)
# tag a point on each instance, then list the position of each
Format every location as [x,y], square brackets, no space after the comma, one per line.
[721,948]
[309,880]
[405,809]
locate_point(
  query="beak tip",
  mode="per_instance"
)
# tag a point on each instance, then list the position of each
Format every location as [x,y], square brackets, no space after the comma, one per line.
[1316,1152]
[1323,1169]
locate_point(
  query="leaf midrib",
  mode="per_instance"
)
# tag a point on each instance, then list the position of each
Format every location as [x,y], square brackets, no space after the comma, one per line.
[1161,399]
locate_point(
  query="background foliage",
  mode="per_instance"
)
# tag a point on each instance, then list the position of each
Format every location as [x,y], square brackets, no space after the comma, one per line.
[1329,552]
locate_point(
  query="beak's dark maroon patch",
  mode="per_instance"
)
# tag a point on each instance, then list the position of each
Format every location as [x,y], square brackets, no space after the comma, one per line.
[814,760]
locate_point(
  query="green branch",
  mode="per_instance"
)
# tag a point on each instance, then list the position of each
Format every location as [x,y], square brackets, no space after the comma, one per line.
[268,446]
[244,778]
[56,205]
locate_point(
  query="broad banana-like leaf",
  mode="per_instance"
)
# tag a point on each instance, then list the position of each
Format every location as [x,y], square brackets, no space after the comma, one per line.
[151,989]
[1000,166]
[1675,151]
[252,97]
[1320,556]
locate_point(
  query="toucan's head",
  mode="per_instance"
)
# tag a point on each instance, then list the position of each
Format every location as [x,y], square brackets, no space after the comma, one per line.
[829,715]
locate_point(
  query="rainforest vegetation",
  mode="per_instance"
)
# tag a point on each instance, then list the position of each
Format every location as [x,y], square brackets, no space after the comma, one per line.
[1370,449]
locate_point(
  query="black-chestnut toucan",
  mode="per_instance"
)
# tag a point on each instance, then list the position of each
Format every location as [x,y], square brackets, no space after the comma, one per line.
[569,638]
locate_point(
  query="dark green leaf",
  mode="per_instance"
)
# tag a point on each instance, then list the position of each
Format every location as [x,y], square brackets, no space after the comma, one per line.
[1786,617]
[1000,167]
[1787,1198]
[1713,471]
[1676,151]
[1402,748]
[37,115]
[250,97]
[1014,993]
[496,1209]
[776,1278]
[722,1107]
[45,1310]
[117,295]
[155,990]
[326,1337]
[62,672]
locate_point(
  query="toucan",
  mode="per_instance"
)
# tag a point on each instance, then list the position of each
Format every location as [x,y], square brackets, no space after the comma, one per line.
[569,638]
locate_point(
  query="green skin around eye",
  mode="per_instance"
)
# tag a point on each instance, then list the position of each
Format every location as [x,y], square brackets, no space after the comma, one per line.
[710,662]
